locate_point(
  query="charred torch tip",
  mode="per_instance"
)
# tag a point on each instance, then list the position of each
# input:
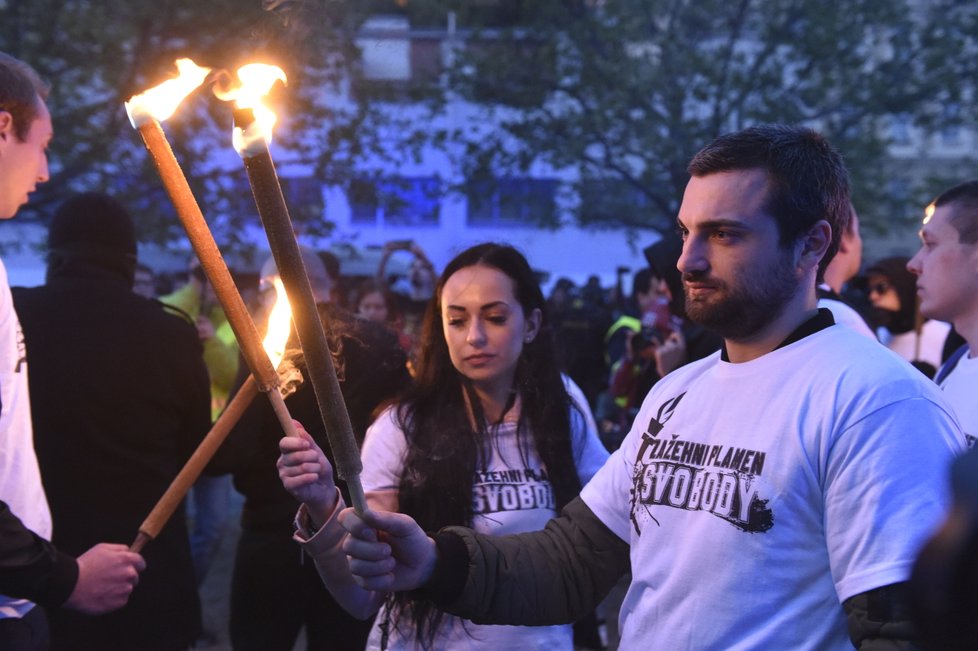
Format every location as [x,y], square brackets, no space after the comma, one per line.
[243,117]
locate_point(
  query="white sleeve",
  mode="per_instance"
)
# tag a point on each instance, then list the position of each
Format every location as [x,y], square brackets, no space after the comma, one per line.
[608,494]
[887,473]
[589,452]
[383,454]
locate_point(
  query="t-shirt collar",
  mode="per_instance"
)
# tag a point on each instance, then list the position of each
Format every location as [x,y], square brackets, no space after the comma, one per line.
[823,319]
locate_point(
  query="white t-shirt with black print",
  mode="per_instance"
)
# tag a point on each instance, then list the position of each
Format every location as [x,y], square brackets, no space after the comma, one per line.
[510,495]
[758,496]
[20,475]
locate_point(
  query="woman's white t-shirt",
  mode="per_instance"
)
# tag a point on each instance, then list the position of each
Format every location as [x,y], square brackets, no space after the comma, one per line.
[510,495]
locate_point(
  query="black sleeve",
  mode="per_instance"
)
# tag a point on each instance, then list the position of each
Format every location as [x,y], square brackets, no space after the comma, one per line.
[31,567]
[879,619]
[553,576]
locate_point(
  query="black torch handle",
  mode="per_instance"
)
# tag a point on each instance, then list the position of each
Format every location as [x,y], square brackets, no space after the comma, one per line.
[312,339]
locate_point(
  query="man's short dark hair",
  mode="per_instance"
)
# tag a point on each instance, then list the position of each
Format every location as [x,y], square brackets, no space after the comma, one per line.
[964,214]
[850,226]
[21,90]
[809,181]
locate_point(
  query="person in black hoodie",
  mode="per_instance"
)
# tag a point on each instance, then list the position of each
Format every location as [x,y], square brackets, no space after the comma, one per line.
[120,400]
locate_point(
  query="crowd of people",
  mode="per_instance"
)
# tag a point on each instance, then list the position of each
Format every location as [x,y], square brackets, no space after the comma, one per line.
[755,443]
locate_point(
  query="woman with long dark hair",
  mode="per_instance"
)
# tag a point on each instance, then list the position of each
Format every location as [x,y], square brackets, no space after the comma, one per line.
[491,436]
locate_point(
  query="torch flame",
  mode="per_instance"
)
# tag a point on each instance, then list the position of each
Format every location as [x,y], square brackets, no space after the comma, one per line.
[160,102]
[257,80]
[279,325]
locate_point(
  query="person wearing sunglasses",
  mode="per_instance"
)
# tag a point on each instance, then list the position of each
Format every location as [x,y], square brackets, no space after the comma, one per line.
[892,291]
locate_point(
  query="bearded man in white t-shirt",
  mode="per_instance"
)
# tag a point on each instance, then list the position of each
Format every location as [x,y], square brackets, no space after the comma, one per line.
[770,496]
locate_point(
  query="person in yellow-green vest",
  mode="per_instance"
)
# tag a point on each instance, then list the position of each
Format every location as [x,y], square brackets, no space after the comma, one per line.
[629,352]
[210,497]
[198,301]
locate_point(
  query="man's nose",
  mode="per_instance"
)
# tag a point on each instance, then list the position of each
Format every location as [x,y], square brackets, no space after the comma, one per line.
[43,173]
[693,257]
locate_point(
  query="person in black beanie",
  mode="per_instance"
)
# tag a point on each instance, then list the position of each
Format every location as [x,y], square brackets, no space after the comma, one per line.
[91,232]
[120,400]
[892,291]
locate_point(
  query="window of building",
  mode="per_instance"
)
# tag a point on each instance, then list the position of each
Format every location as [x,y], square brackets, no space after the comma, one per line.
[304,196]
[511,202]
[525,86]
[613,202]
[395,201]
[398,63]
[426,63]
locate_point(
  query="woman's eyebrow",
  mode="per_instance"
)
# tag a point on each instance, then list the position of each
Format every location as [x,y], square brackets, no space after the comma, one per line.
[487,306]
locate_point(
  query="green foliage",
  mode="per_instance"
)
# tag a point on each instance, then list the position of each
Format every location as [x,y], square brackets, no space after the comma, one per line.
[620,92]
[97,54]
[625,91]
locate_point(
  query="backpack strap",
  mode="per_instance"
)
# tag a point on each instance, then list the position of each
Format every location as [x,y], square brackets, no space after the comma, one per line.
[949,365]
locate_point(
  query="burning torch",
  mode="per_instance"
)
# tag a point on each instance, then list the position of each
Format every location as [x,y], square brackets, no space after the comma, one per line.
[146,111]
[252,133]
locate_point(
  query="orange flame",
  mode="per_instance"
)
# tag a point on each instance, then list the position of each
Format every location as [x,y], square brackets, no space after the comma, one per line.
[257,80]
[279,325]
[160,102]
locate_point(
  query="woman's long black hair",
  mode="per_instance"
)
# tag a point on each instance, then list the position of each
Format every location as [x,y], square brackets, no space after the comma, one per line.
[445,450]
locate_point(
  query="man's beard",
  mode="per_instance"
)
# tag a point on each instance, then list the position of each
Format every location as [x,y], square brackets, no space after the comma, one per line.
[746,307]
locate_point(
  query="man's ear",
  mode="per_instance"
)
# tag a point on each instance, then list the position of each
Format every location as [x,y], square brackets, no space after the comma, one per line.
[6,126]
[814,244]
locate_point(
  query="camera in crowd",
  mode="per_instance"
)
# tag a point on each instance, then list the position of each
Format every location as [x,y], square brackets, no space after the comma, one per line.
[657,324]
[647,337]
